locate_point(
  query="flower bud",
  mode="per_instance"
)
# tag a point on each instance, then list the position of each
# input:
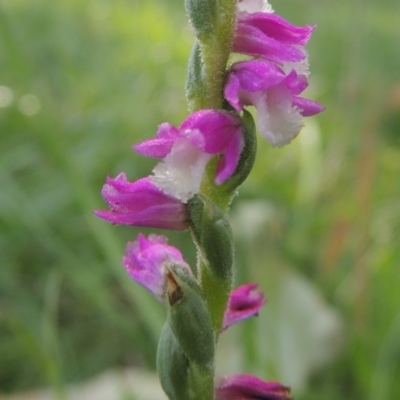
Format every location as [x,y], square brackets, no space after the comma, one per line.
[189,318]
[146,260]
[172,365]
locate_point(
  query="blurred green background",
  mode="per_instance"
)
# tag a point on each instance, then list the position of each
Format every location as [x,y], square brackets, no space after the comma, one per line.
[317,222]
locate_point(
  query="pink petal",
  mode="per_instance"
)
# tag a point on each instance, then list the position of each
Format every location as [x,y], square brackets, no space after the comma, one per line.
[245,302]
[145,261]
[278,28]
[230,160]
[161,145]
[141,203]
[252,41]
[231,92]
[307,107]
[247,387]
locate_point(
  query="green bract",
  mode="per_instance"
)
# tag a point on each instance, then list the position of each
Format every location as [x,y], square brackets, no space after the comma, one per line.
[185,356]
[195,85]
[172,365]
[189,318]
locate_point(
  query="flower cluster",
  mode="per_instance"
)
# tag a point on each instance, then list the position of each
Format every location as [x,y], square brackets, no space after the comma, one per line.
[147,261]
[159,201]
[272,82]
[271,78]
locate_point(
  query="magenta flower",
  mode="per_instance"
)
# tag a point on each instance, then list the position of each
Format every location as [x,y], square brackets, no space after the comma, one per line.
[187,150]
[142,203]
[263,34]
[247,387]
[146,261]
[275,95]
[245,302]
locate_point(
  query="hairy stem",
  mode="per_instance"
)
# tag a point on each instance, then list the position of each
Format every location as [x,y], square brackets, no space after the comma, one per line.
[215,50]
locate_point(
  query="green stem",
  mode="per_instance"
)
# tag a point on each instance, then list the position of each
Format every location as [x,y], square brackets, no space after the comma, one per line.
[219,197]
[208,80]
[215,50]
[216,291]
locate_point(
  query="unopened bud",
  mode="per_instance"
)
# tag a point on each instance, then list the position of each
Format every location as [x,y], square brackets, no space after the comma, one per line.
[189,318]
[172,366]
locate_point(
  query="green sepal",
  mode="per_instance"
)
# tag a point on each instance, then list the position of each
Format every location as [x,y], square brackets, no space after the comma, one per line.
[247,157]
[172,366]
[202,15]
[189,318]
[213,234]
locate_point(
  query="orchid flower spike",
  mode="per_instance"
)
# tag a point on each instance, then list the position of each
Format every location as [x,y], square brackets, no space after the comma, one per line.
[142,203]
[187,150]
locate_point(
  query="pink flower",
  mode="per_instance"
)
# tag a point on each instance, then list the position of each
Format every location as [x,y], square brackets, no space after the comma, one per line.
[146,261]
[264,34]
[141,203]
[275,95]
[245,302]
[247,387]
[187,150]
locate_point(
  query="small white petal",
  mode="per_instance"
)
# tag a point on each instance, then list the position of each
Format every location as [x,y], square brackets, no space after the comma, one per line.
[252,6]
[301,67]
[278,121]
[181,172]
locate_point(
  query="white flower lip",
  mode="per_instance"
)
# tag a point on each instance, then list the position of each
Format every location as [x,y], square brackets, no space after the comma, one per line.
[181,172]
[252,6]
